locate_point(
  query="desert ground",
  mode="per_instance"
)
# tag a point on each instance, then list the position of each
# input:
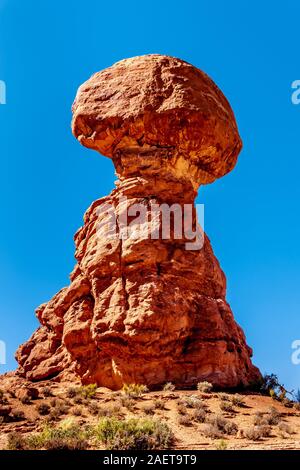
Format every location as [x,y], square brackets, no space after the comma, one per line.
[186,419]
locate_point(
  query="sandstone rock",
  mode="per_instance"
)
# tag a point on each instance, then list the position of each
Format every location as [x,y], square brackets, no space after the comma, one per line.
[23,392]
[140,309]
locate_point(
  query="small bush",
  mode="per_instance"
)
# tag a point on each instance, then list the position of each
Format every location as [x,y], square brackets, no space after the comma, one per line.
[204,387]
[169,387]
[127,402]
[237,400]
[181,408]
[273,416]
[134,434]
[221,445]
[259,419]
[269,382]
[93,408]
[87,391]
[184,420]
[54,415]
[134,390]
[226,406]
[160,404]
[199,415]
[77,411]
[47,392]
[254,433]
[78,400]
[265,430]
[148,409]
[67,436]
[72,392]
[43,409]
[16,441]
[223,425]
[285,429]
[61,407]
[192,401]
[211,431]
[224,396]
[231,428]
[25,400]
[111,410]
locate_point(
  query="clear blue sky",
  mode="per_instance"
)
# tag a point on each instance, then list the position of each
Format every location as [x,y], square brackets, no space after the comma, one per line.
[251,50]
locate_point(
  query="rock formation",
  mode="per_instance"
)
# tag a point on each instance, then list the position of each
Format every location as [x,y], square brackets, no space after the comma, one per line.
[143,309]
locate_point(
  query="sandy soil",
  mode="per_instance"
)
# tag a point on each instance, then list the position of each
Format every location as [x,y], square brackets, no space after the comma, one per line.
[187,436]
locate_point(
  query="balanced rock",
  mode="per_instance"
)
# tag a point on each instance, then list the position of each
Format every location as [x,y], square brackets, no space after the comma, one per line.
[146,303]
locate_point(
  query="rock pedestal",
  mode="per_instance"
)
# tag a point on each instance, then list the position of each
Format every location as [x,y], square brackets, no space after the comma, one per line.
[144,305]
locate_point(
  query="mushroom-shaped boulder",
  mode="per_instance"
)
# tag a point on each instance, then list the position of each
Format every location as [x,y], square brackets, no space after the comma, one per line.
[162,102]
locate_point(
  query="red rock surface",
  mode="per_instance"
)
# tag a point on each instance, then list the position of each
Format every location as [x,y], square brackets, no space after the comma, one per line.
[137,309]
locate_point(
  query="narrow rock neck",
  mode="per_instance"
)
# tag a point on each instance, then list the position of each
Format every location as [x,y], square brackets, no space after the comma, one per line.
[153,173]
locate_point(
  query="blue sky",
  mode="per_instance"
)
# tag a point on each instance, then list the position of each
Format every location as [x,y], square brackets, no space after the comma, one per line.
[251,50]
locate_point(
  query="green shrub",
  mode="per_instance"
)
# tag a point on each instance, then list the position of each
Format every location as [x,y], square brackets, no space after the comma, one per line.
[226,406]
[88,391]
[134,434]
[192,401]
[169,387]
[134,390]
[221,445]
[204,387]
[67,436]
[269,382]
